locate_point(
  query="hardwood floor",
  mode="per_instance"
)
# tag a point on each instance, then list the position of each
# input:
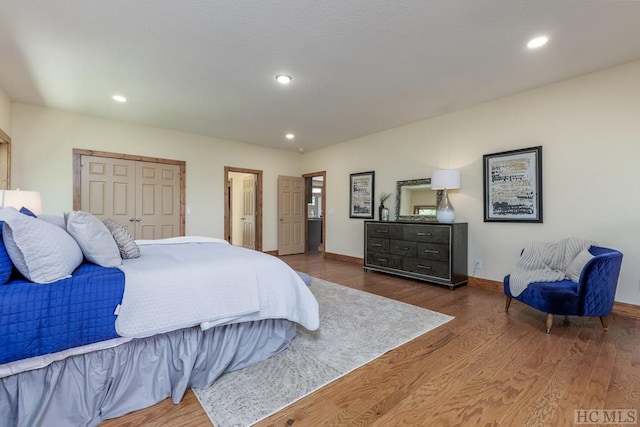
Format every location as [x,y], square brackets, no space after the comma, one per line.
[486,367]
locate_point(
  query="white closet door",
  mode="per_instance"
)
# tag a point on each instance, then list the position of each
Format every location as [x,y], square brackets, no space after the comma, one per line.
[107,189]
[157,200]
[144,197]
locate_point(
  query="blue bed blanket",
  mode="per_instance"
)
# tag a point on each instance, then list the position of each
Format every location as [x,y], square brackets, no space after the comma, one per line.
[37,319]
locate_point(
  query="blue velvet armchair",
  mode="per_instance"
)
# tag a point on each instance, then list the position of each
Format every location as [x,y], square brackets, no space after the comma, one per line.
[593,295]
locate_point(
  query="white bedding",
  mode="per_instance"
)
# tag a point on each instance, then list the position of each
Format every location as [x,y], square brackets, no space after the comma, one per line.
[182,282]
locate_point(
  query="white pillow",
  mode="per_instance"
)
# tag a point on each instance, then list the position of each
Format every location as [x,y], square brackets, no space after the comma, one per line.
[53,219]
[577,265]
[41,251]
[126,245]
[94,239]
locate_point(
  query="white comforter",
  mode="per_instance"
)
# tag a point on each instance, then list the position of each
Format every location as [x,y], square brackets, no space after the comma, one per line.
[183,282]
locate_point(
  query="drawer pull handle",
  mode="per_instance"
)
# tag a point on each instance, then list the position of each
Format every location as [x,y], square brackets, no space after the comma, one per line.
[383,231]
[424,234]
[426,267]
[428,251]
[377,245]
[382,260]
[404,249]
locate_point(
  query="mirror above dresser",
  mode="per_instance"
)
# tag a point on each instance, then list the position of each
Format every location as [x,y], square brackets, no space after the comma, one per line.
[416,201]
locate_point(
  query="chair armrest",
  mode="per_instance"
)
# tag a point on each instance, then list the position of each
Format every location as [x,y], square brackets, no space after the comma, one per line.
[598,283]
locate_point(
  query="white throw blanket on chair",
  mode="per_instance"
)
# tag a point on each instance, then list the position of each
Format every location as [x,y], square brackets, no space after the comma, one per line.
[545,262]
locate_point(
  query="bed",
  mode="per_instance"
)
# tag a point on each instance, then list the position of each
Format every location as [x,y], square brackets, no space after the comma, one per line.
[103,341]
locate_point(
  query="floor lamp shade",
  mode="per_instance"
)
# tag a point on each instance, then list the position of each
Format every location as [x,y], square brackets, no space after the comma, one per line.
[445,179]
[18,199]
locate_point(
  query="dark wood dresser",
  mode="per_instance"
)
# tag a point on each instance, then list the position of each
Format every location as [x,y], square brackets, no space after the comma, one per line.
[433,252]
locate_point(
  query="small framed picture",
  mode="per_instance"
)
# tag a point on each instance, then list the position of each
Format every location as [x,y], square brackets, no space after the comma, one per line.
[513,185]
[361,190]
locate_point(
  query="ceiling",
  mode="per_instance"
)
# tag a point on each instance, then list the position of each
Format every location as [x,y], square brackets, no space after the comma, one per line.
[208,66]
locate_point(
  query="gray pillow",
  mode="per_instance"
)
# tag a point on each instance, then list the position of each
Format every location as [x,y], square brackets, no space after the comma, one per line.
[574,270]
[94,239]
[127,246]
[41,251]
[53,219]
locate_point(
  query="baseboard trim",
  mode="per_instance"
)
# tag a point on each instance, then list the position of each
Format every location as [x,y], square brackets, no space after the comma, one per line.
[619,308]
[490,285]
[345,258]
[626,310]
[332,256]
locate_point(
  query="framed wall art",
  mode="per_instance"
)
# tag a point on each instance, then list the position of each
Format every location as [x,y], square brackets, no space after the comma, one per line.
[513,185]
[361,190]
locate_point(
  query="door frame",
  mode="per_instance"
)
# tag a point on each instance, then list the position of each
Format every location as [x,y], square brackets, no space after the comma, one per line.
[78,153]
[258,173]
[323,174]
[5,161]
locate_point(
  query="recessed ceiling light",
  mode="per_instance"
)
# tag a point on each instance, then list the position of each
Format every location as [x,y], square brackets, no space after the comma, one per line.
[119,98]
[537,42]
[289,136]
[283,79]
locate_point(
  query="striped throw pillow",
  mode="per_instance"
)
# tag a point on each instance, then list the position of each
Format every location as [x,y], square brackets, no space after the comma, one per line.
[126,244]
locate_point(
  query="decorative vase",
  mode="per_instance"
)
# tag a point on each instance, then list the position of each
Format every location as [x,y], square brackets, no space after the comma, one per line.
[445,212]
[384,214]
[380,211]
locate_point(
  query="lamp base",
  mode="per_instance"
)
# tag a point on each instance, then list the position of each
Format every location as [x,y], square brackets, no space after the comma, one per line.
[445,212]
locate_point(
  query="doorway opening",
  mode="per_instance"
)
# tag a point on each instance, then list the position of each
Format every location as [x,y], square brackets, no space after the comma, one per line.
[315,198]
[243,207]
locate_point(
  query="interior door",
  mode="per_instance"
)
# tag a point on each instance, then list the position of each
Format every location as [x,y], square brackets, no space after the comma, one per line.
[157,200]
[107,189]
[243,207]
[291,205]
[144,197]
[248,219]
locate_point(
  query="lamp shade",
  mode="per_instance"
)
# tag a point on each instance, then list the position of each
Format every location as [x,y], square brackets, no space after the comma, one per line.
[19,199]
[445,178]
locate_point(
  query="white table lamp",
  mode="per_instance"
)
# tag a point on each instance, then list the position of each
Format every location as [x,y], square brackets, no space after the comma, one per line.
[18,199]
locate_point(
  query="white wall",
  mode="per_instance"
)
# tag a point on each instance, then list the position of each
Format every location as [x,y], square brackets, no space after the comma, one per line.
[589,128]
[5,113]
[43,140]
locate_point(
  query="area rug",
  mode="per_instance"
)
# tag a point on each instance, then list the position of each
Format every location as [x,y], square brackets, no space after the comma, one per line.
[355,328]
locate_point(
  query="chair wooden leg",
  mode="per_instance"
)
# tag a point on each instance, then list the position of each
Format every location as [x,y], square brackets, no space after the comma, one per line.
[549,322]
[507,303]
[603,320]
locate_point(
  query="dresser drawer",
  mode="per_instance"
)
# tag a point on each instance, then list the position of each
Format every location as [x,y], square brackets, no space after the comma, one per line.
[385,231]
[433,251]
[377,245]
[426,233]
[381,259]
[427,267]
[402,247]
